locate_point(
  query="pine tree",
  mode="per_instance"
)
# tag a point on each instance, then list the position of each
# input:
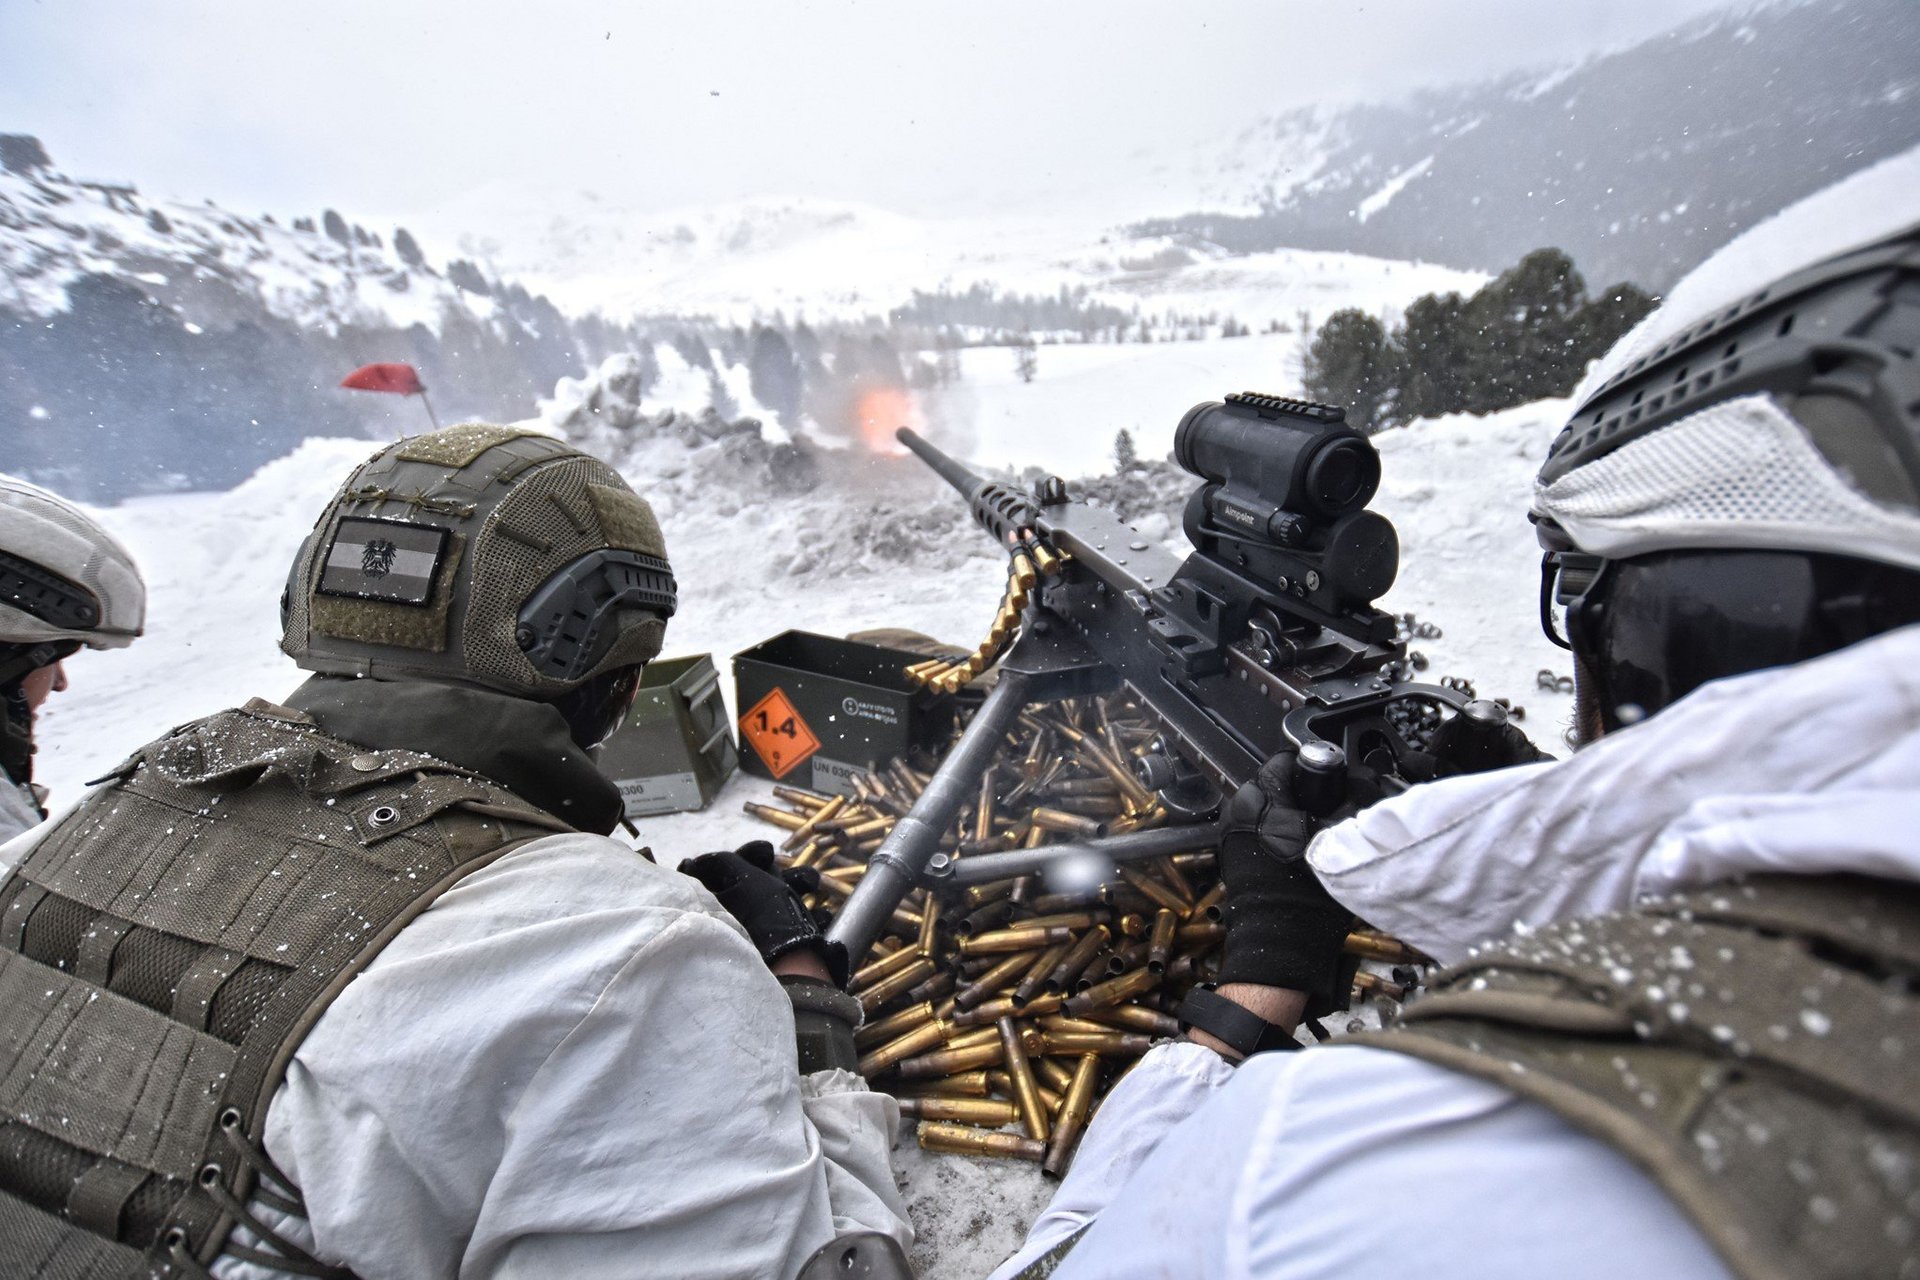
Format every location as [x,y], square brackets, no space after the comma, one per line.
[1026,360]
[1352,364]
[773,376]
[336,228]
[1436,358]
[158,221]
[408,248]
[1125,456]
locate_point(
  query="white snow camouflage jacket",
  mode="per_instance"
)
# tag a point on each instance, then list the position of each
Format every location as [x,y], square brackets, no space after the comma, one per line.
[1349,1161]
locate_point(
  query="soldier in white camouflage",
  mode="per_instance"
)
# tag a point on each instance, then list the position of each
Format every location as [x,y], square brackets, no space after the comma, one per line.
[1678,1030]
[356,982]
[65,584]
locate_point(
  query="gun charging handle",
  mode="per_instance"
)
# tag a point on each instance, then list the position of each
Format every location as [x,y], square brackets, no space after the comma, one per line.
[1475,738]
[1320,777]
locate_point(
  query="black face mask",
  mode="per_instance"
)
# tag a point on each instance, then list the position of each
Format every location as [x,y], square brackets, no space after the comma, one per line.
[1650,630]
[595,709]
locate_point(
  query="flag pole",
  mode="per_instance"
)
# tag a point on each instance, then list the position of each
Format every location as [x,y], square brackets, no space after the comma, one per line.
[428,404]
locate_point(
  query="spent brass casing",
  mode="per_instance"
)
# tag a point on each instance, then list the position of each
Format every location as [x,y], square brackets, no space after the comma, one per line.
[983,809]
[1118,1043]
[1210,903]
[1090,944]
[1133,1017]
[1004,1007]
[1053,1074]
[1072,1120]
[984,919]
[1176,878]
[946,1062]
[1072,823]
[922,1039]
[893,1026]
[960,1140]
[1026,1089]
[1132,924]
[1023,887]
[1085,787]
[929,921]
[961,1084]
[778,817]
[1199,933]
[1114,990]
[1160,941]
[1374,946]
[982,1111]
[805,799]
[891,963]
[1374,984]
[1036,977]
[981,894]
[1067,1022]
[1131,956]
[895,984]
[1095,807]
[940,984]
[1001,1084]
[1005,971]
[1017,939]
[1159,893]
[1066,919]
[805,831]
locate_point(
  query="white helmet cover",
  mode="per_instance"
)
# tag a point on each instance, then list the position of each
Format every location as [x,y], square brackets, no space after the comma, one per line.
[1783,417]
[63,577]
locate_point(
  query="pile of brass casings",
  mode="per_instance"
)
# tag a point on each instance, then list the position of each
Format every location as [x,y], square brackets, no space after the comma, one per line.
[1003,1006]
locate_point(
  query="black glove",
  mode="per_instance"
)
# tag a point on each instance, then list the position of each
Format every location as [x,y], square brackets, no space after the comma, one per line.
[1466,745]
[1283,928]
[767,904]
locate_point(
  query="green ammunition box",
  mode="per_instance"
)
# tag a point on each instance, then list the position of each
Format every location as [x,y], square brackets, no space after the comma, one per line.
[675,748]
[814,710]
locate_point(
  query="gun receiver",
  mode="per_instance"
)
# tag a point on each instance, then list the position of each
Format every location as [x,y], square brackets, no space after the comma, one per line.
[1264,638]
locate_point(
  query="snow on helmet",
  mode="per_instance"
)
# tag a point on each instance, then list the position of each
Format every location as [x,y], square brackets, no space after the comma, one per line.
[64,581]
[1740,485]
[481,555]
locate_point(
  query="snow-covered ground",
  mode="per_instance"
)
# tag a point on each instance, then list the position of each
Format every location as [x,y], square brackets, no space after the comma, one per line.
[877,543]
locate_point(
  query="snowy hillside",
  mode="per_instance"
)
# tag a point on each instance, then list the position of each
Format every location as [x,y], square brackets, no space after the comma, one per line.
[1638,161]
[195,259]
[831,260]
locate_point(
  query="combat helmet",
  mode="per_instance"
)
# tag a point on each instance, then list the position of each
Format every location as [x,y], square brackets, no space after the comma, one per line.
[64,582]
[490,556]
[1739,487]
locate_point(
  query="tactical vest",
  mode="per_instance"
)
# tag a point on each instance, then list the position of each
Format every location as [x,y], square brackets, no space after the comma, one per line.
[164,950]
[1755,1048]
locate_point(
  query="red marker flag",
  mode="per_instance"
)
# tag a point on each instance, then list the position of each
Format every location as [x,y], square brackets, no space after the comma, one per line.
[396,379]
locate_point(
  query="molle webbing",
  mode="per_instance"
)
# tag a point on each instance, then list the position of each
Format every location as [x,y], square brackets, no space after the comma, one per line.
[1755,1048]
[164,950]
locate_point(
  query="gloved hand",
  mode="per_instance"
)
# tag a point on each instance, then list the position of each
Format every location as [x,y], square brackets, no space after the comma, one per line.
[1466,745]
[1283,928]
[767,903]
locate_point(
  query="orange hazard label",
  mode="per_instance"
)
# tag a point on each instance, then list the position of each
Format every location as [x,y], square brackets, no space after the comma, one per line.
[777,733]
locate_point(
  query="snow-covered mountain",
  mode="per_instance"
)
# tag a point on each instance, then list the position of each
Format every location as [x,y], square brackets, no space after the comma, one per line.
[1637,161]
[834,260]
[152,345]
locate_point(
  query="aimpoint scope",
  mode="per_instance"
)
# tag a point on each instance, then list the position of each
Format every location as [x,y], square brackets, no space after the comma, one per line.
[1284,504]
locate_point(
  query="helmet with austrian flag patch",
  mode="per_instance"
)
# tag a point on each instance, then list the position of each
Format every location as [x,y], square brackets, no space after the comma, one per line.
[481,555]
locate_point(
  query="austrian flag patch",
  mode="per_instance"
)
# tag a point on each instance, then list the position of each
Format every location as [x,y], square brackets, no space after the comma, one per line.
[383,560]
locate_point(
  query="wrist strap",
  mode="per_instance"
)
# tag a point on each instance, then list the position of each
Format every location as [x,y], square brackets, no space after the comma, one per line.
[1234,1025]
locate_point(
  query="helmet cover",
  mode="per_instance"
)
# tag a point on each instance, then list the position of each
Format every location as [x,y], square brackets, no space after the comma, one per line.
[486,555]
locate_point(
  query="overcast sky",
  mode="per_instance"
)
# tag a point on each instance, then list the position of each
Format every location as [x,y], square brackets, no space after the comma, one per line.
[392,108]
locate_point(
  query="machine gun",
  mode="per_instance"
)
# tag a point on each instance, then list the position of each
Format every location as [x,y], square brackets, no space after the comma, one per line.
[1264,639]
